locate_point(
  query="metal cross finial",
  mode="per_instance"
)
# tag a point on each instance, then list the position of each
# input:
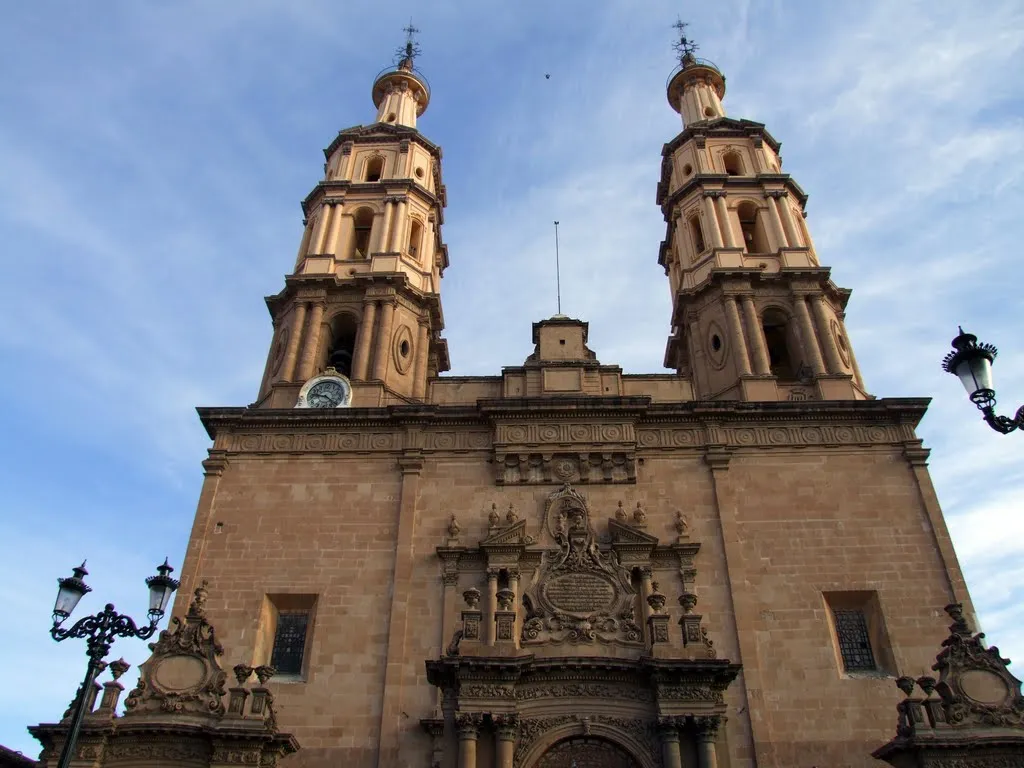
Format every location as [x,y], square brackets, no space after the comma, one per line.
[684,47]
[411,49]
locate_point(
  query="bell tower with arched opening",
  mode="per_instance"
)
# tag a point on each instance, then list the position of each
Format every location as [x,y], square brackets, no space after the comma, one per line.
[754,314]
[364,296]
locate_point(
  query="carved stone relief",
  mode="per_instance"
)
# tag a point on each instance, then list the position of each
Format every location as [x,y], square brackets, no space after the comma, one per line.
[579,594]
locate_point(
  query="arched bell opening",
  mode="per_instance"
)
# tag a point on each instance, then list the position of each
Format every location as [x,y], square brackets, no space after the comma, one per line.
[362,226]
[778,338]
[751,218]
[342,343]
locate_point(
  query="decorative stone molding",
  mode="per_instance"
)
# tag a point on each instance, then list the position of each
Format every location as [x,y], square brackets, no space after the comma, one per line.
[176,713]
[975,720]
[580,595]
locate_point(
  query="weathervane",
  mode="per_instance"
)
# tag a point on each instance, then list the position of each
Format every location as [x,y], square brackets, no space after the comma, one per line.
[411,49]
[684,47]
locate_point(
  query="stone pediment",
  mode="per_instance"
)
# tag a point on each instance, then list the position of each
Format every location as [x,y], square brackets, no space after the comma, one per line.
[512,535]
[623,533]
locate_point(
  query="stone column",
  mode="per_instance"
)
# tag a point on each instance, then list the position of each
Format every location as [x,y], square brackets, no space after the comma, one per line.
[776,218]
[331,245]
[808,336]
[380,357]
[835,362]
[419,383]
[787,220]
[385,233]
[700,152]
[668,732]
[714,231]
[363,340]
[346,229]
[491,606]
[505,729]
[392,718]
[398,227]
[347,158]
[468,725]
[732,318]
[317,241]
[725,221]
[707,731]
[377,233]
[762,364]
[292,352]
[312,342]
[513,584]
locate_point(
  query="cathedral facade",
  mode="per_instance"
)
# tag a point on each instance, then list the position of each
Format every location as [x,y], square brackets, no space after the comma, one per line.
[724,565]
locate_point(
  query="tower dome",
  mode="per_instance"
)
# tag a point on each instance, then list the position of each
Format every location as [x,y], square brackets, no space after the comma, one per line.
[401,93]
[696,87]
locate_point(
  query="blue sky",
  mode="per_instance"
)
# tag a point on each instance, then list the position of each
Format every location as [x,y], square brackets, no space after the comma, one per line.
[153,155]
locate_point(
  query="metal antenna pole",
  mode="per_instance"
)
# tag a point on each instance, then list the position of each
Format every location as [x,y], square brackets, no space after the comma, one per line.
[558,272]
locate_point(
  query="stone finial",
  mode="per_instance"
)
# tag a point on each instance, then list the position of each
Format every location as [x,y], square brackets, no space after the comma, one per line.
[905,684]
[505,598]
[639,515]
[959,625]
[454,529]
[511,517]
[688,601]
[242,673]
[620,513]
[197,607]
[927,684]
[681,525]
[656,600]
[264,673]
[493,518]
[118,668]
[472,598]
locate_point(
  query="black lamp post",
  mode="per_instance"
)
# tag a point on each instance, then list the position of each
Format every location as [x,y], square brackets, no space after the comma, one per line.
[100,631]
[971,362]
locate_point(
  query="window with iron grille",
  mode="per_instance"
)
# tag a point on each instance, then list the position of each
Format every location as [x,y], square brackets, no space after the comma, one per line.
[290,642]
[854,640]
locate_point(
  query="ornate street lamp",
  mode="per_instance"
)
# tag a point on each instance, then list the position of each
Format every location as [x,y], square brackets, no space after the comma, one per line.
[971,362]
[100,631]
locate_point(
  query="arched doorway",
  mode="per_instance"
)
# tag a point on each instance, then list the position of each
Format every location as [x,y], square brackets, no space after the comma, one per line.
[586,752]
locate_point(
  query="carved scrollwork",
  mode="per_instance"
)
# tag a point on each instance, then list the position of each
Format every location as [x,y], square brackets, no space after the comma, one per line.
[487,691]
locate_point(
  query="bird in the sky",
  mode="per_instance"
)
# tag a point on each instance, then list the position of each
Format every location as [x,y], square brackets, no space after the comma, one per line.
[547,76]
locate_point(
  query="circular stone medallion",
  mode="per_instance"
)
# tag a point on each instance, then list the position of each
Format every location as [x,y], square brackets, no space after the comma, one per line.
[179,673]
[983,687]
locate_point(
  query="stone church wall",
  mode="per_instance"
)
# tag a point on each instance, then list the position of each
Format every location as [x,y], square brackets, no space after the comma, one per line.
[778,528]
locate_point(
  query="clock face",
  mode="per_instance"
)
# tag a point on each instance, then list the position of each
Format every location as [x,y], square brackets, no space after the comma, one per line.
[329,393]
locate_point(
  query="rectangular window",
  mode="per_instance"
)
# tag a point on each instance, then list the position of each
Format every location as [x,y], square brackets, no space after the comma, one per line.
[854,641]
[285,634]
[290,642]
[858,631]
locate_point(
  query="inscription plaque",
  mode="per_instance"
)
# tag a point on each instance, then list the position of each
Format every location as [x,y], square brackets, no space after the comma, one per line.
[580,593]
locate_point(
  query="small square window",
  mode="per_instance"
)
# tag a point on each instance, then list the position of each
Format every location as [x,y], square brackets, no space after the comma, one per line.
[859,636]
[854,641]
[284,635]
[290,642]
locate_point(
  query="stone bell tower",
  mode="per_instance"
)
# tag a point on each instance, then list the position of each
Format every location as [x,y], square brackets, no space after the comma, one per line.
[754,314]
[364,296]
